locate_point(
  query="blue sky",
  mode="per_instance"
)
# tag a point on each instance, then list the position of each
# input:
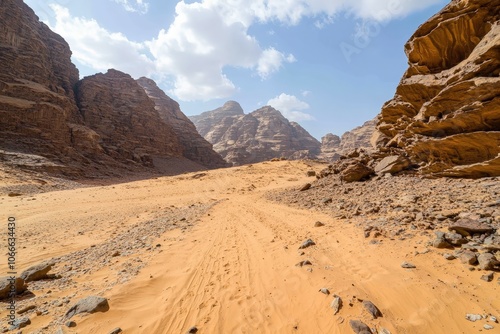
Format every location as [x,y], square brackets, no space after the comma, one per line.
[328,64]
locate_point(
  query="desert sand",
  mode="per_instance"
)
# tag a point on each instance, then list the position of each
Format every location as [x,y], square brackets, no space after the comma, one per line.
[211,250]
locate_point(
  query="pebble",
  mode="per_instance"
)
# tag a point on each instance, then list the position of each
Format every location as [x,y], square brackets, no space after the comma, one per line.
[488,277]
[408,265]
[473,317]
[307,243]
[488,327]
[325,291]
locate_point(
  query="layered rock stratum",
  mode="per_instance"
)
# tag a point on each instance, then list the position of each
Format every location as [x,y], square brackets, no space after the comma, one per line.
[445,113]
[261,135]
[105,124]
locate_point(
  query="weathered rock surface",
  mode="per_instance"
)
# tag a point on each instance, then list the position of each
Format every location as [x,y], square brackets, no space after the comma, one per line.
[445,110]
[90,304]
[195,147]
[258,136]
[5,286]
[333,147]
[36,272]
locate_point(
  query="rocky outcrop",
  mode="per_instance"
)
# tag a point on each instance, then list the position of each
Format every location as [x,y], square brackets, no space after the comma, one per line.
[259,136]
[103,125]
[124,118]
[36,83]
[444,114]
[195,147]
[333,147]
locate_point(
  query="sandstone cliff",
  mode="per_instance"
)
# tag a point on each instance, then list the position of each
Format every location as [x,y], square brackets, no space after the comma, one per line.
[445,113]
[261,135]
[333,147]
[195,147]
[105,124]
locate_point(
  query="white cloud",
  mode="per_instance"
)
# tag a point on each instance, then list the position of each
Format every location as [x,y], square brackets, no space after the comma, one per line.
[100,49]
[271,60]
[291,107]
[135,6]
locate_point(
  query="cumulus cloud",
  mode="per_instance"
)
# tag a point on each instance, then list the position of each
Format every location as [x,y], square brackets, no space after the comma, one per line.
[134,6]
[291,107]
[100,49]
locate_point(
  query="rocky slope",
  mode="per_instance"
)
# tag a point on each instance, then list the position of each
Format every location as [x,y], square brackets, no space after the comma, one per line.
[195,147]
[261,135]
[444,114]
[105,124]
[333,147]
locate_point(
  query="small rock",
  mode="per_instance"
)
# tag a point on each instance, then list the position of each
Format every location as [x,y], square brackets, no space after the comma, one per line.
[193,330]
[325,291]
[70,324]
[488,327]
[488,277]
[468,257]
[304,263]
[408,265]
[307,243]
[26,309]
[37,272]
[372,309]
[336,304]
[311,173]
[5,286]
[20,323]
[449,257]
[116,331]
[327,200]
[318,224]
[90,304]
[305,187]
[466,227]
[493,319]
[383,331]
[359,327]
[487,261]
[473,317]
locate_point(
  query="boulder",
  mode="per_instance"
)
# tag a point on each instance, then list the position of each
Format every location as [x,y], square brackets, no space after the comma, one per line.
[90,304]
[392,164]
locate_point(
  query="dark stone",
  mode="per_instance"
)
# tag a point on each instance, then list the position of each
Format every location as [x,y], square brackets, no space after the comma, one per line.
[37,272]
[359,327]
[90,304]
[372,309]
[307,243]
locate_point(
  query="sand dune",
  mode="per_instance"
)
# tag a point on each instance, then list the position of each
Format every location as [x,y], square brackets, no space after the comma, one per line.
[209,250]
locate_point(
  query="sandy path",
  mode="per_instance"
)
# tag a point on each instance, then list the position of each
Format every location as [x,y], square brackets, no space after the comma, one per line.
[234,270]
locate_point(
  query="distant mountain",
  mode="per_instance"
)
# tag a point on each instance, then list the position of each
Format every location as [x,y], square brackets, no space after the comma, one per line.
[332,146]
[261,135]
[105,124]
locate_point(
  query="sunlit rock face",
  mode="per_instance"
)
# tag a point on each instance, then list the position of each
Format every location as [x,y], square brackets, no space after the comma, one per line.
[446,110]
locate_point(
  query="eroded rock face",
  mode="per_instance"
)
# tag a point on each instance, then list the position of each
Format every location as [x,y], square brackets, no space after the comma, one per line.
[445,113]
[333,147]
[36,83]
[259,136]
[195,147]
[118,109]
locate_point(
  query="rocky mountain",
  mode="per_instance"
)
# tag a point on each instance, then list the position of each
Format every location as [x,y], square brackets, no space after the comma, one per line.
[445,113]
[261,135]
[195,147]
[105,124]
[333,146]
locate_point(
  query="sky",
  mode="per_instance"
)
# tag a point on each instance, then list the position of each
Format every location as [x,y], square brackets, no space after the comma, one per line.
[327,64]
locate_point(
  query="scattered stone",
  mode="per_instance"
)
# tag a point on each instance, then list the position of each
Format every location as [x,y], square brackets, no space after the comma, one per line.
[304,263]
[193,330]
[318,224]
[336,304]
[488,277]
[26,309]
[359,327]
[20,323]
[305,187]
[356,172]
[468,257]
[70,324]
[493,319]
[311,173]
[37,272]
[5,286]
[325,291]
[383,331]
[455,239]
[488,326]
[408,265]
[116,331]
[449,257]
[307,243]
[467,227]
[372,309]
[392,164]
[473,317]
[327,200]
[487,261]
[90,304]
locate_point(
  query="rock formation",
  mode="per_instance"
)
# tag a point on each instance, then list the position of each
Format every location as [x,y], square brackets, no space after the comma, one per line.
[105,124]
[261,135]
[195,147]
[333,147]
[445,113]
